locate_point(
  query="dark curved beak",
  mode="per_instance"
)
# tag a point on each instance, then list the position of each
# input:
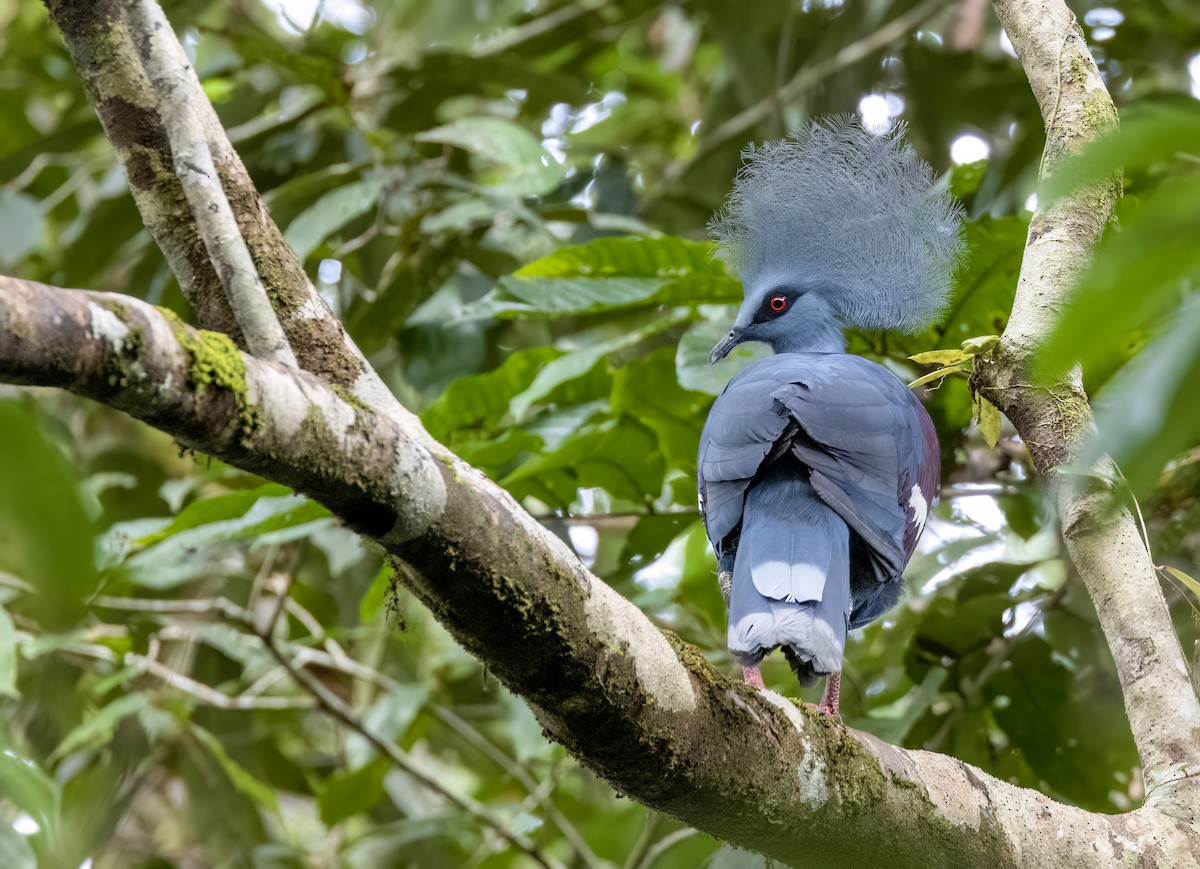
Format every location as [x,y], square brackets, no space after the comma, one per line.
[724,346]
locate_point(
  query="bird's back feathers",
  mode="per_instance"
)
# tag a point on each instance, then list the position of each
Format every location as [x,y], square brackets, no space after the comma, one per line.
[791,581]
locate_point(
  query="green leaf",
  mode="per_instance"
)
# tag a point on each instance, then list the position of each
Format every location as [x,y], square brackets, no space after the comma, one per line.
[46,534]
[1191,584]
[989,421]
[648,390]
[528,169]
[203,511]
[21,223]
[935,375]
[8,655]
[664,258]
[980,345]
[242,780]
[578,363]
[620,456]
[191,552]
[389,719]
[941,357]
[345,794]
[98,729]
[372,602]
[15,850]
[333,211]
[485,397]
[27,786]
[984,290]
[612,274]
[691,357]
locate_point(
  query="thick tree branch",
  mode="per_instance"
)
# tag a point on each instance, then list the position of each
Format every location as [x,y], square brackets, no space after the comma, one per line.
[107,46]
[638,706]
[1055,420]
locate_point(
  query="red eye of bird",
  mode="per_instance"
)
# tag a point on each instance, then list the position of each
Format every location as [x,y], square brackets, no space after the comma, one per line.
[778,303]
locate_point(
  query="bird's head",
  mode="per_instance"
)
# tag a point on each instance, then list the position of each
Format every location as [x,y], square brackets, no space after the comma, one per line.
[787,315]
[834,227]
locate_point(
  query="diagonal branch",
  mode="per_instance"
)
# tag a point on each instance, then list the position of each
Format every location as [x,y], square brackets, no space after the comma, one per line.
[638,706]
[806,78]
[172,76]
[106,47]
[1055,420]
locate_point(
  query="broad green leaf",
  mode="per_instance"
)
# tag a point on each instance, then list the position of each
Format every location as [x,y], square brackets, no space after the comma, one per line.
[989,421]
[495,454]
[577,295]
[984,288]
[97,728]
[663,258]
[189,553]
[8,655]
[528,168]
[46,534]
[372,602]
[15,850]
[333,211]
[217,508]
[345,794]
[21,225]
[579,362]
[620,456]
[486,397]
[648,390]
[691,358]
[941,357]
[389,718]
[1149,134]
[29,788]
[1146,414]
[241,778]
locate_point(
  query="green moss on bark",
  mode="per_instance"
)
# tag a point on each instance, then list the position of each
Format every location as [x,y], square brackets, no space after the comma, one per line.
[213,360]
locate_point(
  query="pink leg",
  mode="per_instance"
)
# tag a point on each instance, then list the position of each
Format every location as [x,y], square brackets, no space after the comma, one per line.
[831,700]
[753,676]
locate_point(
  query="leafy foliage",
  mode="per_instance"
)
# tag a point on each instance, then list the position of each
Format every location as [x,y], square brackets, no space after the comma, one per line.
[506,204]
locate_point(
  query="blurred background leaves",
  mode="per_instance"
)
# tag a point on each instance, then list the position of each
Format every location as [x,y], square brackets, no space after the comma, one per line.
[506,202]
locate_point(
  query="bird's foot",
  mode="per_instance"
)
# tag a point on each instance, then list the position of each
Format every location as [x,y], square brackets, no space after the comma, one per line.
[831,700]
[753,677]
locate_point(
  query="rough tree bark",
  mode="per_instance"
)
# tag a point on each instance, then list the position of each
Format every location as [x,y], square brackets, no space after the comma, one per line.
[638,706]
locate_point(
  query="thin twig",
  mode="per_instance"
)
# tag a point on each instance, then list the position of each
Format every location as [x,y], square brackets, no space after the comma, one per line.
[336,708]
[805,79]
[511,37]
[993,666]
[663,845]
[490,750]
[644,841]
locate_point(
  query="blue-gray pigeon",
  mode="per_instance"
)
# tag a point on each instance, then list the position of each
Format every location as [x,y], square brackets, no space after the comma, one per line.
[817,469]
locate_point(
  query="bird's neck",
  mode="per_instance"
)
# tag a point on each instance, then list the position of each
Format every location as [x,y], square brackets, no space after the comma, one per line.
[818,336]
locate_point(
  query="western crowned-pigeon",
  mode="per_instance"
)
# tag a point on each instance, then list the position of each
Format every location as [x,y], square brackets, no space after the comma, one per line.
[817,468]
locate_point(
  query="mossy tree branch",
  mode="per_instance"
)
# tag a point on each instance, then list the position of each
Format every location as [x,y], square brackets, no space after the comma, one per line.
[106,45]
[1055,419]
[638,706]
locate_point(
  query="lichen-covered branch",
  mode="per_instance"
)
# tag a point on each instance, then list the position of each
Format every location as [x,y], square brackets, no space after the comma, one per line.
[1055,420]
[172,77]
[106,46]
[638,706]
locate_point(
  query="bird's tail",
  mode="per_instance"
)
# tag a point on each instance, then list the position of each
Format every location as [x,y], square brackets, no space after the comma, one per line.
[791,576]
